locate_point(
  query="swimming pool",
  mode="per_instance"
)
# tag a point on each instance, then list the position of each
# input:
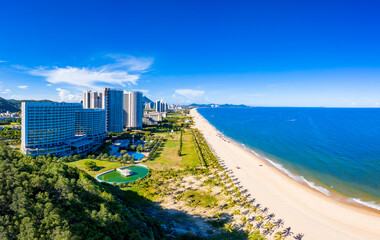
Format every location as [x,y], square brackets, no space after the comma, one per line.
[139,171]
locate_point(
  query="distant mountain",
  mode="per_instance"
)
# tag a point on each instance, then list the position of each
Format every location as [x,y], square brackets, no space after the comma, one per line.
[13,105]
[146,100]
[218,105]
[6,105]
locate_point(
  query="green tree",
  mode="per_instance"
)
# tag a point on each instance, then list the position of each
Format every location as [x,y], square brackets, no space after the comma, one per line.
[90,165]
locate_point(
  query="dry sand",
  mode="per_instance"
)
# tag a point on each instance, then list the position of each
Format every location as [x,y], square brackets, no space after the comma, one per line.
[304,209]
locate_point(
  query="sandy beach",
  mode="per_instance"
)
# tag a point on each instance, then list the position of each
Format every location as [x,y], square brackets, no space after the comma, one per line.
[303,209]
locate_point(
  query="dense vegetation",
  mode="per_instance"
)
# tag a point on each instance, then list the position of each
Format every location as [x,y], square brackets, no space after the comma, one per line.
[13,135]
[44,199]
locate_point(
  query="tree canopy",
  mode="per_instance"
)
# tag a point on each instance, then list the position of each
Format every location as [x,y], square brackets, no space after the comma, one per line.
[43,199]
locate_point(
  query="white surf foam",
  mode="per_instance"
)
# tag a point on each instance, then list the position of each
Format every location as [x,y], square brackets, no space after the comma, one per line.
[299,178]
[368,204]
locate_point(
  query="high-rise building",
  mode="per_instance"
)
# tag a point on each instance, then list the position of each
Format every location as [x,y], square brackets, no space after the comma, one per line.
[92,123]
[161,106]
[86,99]
[92,99]
[60,128]
[113,104]
[158,106]
[46,127]
[133,110]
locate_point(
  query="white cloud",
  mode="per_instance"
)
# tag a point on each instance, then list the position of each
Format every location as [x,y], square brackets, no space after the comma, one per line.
[123,71]
[2,61]
[6,91]
[67,96]
[22,86]
[49,85]
[190,93]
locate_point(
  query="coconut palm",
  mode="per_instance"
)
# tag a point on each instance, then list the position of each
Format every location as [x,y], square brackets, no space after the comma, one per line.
[278,236]
[279,223]
[299,236]
[265,210]
[259,225]
[270,216]
[259,218]
[229,228]
[287,232]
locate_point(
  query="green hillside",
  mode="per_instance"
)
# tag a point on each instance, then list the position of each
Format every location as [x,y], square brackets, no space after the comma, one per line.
[6,105]
[43,199]
[13,105]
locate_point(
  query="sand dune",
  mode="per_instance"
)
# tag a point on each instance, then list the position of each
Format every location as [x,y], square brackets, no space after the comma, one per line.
[304,209]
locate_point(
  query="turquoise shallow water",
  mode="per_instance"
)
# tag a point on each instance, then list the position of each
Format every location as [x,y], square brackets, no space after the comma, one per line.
[115,176]
[333,150]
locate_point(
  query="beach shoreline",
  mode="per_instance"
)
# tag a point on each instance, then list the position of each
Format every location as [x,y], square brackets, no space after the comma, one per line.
[302,207]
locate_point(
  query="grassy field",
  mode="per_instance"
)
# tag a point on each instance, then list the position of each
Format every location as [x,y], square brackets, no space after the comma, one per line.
[102,166]
[167,155]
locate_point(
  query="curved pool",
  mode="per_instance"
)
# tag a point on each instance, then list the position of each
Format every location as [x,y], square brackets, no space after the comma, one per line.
[139,171]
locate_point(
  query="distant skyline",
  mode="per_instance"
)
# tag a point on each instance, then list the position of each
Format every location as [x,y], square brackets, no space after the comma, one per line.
[258,53]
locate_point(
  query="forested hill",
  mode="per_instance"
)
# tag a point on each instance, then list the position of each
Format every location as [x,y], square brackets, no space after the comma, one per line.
[43,199]
[6,105]
[12,105]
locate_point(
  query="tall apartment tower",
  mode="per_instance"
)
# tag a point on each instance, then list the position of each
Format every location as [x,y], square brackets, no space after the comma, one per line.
[92,99]
[86,99]
[158,106]
[113,104]
[133,110]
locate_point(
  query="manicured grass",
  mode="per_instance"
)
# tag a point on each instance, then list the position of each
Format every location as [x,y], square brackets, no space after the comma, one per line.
[189,155]
[102,166]
[167,155]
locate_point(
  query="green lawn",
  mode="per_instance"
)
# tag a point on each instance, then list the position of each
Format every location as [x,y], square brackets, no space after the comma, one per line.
[189,155]
[167,155]
[102,166]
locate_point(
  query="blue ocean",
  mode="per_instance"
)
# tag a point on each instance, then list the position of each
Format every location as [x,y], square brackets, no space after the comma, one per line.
[334,150]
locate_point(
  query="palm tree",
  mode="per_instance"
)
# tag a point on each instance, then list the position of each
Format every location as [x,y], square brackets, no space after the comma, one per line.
[229,228]
[259,225]
[287,232]
[265,210]
[259,219]
[279,223]
[278,236]
[270,216]
[299,236]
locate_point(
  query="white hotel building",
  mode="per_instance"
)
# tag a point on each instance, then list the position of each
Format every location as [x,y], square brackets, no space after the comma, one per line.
[60,128]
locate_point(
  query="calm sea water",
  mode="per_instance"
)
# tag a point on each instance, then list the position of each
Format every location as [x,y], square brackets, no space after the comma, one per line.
[334,150]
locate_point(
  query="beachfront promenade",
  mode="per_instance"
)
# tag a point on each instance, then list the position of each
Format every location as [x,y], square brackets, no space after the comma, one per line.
[305,209]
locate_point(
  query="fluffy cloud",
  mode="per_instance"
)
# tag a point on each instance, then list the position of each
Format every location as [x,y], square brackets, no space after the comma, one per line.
[124,70]
[23,87]
[190,93]
[6,91]
[67,96]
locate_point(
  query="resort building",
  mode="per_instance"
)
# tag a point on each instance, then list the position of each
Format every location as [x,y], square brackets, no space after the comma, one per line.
[60,128]
[91,123]
[113,104]
[133,110]
[46,127]
[152,118]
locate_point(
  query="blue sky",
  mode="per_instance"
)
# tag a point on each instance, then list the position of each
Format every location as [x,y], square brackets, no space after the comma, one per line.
[260,53]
